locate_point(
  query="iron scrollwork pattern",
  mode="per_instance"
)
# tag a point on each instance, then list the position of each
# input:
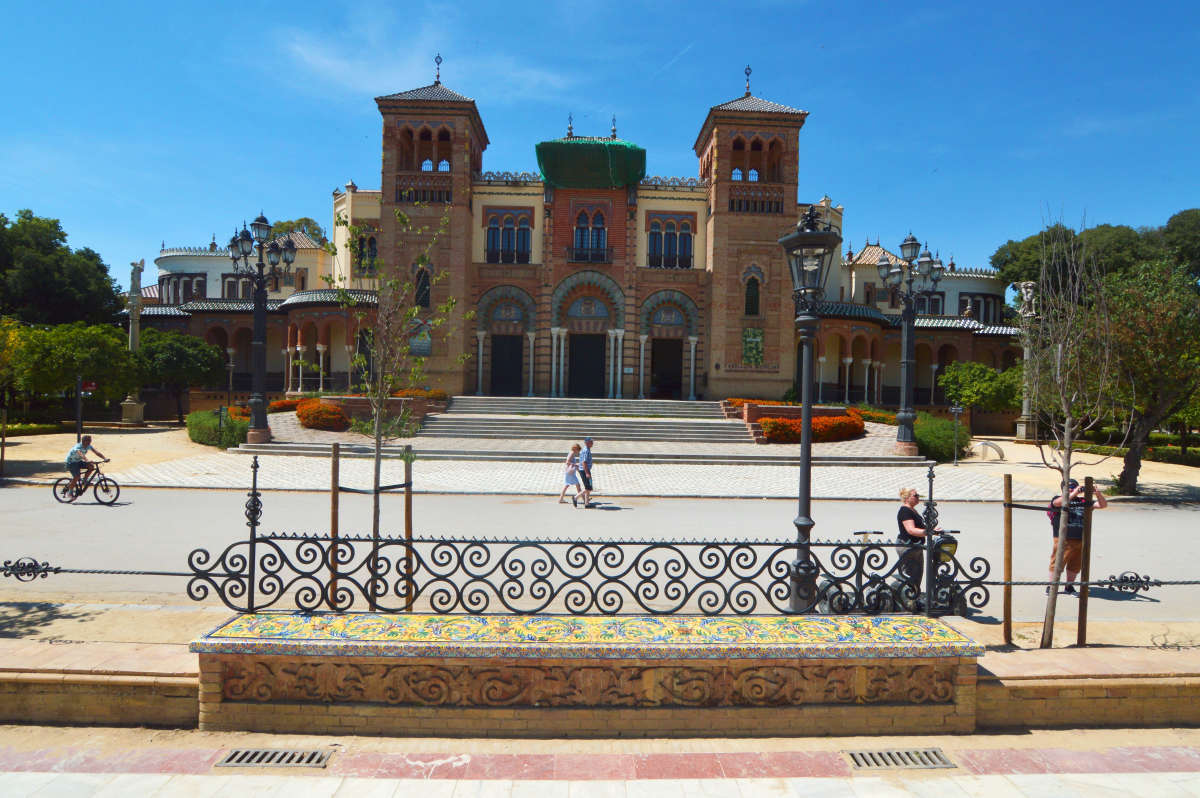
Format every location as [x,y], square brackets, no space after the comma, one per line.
[26,569]
[460,575]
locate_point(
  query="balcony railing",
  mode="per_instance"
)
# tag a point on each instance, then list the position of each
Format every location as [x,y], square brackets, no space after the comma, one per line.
[589,254]
[507,256]
[669,262]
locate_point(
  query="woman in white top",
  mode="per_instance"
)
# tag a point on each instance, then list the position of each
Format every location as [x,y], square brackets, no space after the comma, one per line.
[571,476]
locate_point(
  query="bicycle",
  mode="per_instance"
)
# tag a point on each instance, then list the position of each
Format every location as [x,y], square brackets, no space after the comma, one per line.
[105,489]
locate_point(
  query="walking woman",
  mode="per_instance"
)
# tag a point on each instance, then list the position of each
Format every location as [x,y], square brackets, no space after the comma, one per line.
[571,476]
[911,566]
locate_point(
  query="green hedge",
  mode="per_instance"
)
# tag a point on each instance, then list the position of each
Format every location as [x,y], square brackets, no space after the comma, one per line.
[35,429]
[1154,454]
[202,428]
[936,437]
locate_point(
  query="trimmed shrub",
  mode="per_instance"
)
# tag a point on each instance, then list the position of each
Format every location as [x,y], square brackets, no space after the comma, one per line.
[937,437]
[826,429]
[202,427]
[35,429]
[314,415]
[282,405]
[1154,454]
[876,416]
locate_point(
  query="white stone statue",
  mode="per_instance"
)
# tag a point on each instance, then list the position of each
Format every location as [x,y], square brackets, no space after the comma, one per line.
[1028,300]
[135,303]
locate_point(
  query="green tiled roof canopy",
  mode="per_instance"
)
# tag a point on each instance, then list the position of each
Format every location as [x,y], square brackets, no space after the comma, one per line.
[587,162]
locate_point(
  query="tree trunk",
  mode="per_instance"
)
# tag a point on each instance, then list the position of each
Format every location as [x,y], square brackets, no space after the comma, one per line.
[1184,429]
[178,403]
[1139,434]
[1061,549]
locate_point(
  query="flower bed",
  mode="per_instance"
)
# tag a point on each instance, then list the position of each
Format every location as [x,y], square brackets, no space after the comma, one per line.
[738,402]
[283,405]
[825,429]
[314,414]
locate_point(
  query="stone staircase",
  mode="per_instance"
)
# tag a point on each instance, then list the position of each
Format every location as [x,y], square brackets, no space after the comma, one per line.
[545,406]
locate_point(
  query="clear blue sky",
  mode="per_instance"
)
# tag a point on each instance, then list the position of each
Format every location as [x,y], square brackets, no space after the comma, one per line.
[967,123]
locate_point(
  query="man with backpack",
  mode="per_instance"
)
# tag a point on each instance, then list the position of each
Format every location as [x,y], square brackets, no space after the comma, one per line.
[1073,547]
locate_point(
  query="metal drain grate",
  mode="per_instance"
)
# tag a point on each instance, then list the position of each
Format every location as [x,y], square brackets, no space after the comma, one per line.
[274,758]
[899,758]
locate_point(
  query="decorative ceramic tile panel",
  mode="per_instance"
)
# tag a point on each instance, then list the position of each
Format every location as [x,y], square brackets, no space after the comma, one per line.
[590,637]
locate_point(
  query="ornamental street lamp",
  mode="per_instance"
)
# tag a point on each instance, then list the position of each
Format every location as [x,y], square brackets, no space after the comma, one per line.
[916,275]
[810,250]
[240,248]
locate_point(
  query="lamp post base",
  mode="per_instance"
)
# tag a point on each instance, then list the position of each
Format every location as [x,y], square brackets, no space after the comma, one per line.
[258,435]
[1026,429]
[133,411]
[905,449]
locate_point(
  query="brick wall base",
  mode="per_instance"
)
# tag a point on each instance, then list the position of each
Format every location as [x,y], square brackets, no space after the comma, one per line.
[1087,703]
[168,702]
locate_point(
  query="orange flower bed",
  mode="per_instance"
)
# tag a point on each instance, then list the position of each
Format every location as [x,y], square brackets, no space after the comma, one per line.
[738,402]
[283,405]
[434,394]
[314,415]
[825,429]
[239,413]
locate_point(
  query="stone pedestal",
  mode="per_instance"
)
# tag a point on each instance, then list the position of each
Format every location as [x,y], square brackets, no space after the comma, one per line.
[1026,429]
[905,449]
[586,676]
[133,411]
[258,435]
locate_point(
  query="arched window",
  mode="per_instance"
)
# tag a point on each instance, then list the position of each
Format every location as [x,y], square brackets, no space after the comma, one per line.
[685,245]
[599,237]
[372,251]
[670,245]
[421,290]
[523,240]
[508,241]
[737,174]
[493,240]
[427,165]
[443,165]
[655,245]
[752,296]
[753,176]
[581,236]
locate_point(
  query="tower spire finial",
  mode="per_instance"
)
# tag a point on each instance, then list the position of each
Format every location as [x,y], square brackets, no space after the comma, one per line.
[614,126]
[437,78]
[748,71]
[570,125]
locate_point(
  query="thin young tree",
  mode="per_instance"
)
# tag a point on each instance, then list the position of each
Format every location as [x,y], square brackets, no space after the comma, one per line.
[1071,370]
[384,361]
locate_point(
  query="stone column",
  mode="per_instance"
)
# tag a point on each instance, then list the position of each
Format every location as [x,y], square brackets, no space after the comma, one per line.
[692,339]
[610,360]
[867,380]
[821,380]
[553,361]
[847,361]
[562,361]
[321,366]
[349,367]
[479,336]
[133,411]
[642,366]
[301,350]
[531,335]
[620,360]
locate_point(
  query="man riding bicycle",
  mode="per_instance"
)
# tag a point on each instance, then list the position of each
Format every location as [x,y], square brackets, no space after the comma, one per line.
[77,460]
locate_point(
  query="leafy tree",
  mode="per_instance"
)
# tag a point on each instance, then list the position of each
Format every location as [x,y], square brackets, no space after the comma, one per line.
[388,364]
[177,362]
[43,281]
[49,360]
[305,225]
[977,385]
[1182,237]
[1114,248]
[1071,372]
[1156,340]
[1020,261]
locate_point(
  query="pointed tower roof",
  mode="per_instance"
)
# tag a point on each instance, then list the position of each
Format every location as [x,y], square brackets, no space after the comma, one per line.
[749,104]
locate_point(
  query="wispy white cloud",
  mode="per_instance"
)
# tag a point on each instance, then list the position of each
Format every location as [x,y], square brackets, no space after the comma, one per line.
[671,63]
[388,55]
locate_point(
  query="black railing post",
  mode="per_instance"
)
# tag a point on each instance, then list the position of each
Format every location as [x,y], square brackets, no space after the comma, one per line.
[253,513]
[931,519]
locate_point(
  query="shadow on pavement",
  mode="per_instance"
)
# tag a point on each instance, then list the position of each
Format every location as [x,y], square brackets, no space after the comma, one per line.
[19,619]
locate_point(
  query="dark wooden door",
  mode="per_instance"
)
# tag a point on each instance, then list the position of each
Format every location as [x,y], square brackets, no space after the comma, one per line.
[585,364]
[507,357]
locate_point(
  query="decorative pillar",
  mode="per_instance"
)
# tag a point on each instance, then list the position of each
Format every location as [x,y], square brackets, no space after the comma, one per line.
[867,380]
[531,335]
[133,411]
[349,367]
[821,380]
[321,367]
[479,336]
[692,339]
[301,350]
[642,366]
[562,361]
[620,360]
[609,362]
[847,361]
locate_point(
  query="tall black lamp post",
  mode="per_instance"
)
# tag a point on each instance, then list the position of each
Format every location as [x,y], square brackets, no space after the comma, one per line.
[917,275]
[810,250]
[240,248]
